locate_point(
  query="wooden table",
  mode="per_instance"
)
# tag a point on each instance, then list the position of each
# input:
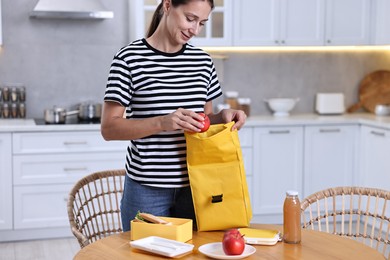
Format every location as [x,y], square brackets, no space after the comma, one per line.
[314,245]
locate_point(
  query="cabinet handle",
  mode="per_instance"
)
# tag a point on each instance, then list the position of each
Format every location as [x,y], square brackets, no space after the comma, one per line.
[329,41]
[283,42]
[378,133]
[75,143]
[75,169]
[330,130]
[276,41]
[279,131]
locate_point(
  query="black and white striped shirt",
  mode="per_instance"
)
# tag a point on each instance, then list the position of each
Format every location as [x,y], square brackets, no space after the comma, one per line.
[152,83]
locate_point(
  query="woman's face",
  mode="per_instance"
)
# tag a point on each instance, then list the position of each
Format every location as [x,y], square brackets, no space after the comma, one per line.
[186,21]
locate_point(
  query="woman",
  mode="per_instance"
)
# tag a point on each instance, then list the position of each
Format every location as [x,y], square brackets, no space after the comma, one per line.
[161,83]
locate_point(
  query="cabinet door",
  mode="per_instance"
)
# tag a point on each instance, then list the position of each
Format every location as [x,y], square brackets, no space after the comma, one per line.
[1,27]
[302,22]
[5,182]
[329,157]
[41,206]
[246,142]
[256,22]
[62,168]
[347,22]
[217,31]
[381,21]
[277,168]
[374,158]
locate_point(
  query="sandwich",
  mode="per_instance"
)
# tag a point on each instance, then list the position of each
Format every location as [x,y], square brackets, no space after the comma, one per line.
[149,218]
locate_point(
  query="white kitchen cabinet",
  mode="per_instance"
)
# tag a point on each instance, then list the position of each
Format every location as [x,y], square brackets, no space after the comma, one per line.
[278,22]
[330,157]
[347,22]
[380,22]
[46,166]
[246,142]
[277,167]
[38,170]
[374,157]
[1,27]
[217,31]
[5,182]
[41,206]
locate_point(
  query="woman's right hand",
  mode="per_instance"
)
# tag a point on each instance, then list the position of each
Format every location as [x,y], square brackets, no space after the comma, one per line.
[183,119]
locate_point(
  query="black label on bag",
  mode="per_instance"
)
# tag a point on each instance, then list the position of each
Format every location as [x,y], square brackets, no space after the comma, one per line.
[216,198]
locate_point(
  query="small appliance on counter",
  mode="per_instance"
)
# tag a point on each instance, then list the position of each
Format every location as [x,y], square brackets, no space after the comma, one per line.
[330,103]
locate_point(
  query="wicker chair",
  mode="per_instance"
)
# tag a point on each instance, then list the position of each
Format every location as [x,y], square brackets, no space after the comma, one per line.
[360,213]
[94,206]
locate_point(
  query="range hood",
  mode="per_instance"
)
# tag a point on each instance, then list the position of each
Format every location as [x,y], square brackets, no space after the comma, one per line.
[71,9]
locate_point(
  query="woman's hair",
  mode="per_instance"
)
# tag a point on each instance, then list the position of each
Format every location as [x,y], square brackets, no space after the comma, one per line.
[159,13]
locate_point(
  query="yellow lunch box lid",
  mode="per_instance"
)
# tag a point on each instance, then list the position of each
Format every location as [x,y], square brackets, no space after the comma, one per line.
[260,236]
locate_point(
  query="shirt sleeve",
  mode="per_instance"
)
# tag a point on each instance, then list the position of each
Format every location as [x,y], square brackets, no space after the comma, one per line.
[119,83]
[214,89]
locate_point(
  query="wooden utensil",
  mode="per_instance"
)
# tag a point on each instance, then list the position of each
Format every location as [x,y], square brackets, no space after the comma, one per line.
[374,89]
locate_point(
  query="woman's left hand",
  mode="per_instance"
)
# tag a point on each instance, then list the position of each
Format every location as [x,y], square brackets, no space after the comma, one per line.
[238,116]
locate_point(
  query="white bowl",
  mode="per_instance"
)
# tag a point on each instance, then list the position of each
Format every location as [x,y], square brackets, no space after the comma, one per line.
[281,106]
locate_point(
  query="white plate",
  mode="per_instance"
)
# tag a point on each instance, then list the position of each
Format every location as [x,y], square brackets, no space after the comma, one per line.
[162,246]
[215,250]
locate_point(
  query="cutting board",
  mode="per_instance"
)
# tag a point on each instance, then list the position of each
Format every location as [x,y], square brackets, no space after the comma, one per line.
[374,89]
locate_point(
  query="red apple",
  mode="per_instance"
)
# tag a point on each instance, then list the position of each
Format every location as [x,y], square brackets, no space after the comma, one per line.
[233,242]
[206,122]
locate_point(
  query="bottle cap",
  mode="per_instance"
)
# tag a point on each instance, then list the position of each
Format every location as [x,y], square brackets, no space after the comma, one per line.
[292,193]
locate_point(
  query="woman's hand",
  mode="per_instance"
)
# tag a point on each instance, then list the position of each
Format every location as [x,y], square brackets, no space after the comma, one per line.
[184,119]
[238,116]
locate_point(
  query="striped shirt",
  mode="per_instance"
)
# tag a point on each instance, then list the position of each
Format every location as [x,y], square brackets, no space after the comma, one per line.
[152,83]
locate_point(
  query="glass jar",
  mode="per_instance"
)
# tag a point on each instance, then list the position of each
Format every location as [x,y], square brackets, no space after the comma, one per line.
[231,99]
[22,93]
[14,110]
[292,218]
[6,94]
[6,110]
[14,94]
[244,104]
[22,110]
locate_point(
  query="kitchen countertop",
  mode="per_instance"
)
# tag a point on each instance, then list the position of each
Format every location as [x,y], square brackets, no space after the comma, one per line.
[28,125]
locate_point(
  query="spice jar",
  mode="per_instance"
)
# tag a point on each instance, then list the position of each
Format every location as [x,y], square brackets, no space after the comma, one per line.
[22,110]
[14,94]
[245,105]
[6,94]
[6,112]
[292,218]
[14,110]
[231,99]
[22,94]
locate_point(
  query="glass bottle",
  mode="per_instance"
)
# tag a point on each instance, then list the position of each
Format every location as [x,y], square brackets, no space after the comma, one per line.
[292,218]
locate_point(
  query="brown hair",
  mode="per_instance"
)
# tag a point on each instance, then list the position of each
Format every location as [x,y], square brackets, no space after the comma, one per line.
[159,13]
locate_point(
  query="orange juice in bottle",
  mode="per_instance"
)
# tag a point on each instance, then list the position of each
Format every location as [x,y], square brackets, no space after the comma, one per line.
[292,218]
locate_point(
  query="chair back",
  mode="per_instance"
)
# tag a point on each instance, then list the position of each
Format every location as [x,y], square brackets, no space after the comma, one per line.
[360,213]
[94,206]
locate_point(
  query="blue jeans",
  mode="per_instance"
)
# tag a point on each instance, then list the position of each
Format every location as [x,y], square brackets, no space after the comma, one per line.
[168,202]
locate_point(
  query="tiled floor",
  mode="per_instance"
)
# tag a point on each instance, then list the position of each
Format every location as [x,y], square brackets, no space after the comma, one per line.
[53,249]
